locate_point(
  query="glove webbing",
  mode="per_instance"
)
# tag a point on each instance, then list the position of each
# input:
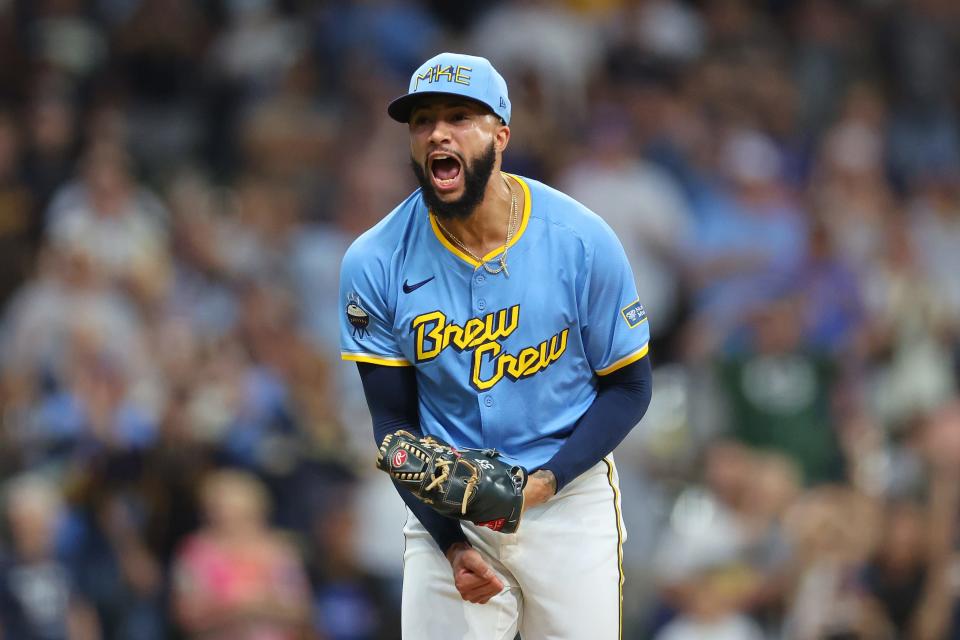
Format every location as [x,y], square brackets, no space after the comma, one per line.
[444,466]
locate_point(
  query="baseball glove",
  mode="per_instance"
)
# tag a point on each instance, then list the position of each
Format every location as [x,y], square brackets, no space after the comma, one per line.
[467,484]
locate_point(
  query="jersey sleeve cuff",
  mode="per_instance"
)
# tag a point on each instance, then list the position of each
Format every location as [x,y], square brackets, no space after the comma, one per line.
[624,361]
[387,361]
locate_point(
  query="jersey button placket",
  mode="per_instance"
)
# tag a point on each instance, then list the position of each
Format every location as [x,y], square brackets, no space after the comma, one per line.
[486,400]
[488,414]
[479,304]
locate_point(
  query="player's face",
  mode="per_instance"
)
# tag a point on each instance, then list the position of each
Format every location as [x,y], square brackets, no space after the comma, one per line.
[455,146]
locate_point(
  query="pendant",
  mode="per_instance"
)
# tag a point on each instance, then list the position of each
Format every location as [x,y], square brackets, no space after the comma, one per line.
[495,270]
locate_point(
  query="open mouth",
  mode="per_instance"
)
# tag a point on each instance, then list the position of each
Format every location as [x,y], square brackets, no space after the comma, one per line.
[446,171]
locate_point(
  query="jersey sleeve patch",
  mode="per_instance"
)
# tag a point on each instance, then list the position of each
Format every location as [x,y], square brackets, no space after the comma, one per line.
[357,316]
[634,314]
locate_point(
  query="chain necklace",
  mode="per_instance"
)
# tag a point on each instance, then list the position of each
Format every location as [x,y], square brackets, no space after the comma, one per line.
[502,258]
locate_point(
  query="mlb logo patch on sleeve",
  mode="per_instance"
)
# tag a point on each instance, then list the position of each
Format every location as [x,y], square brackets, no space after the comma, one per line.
[633,314]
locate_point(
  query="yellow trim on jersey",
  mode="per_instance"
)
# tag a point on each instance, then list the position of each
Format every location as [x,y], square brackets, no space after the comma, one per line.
[450,247]
[524,218]
[385,361]
[622,362]
[616,509]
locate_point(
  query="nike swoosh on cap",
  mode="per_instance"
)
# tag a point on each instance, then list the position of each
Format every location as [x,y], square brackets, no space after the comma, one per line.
[408,288]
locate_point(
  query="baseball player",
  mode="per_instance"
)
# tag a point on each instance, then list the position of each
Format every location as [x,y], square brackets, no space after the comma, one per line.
[491,311]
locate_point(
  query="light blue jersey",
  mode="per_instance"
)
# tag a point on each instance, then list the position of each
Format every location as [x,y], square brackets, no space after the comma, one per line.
[503,361]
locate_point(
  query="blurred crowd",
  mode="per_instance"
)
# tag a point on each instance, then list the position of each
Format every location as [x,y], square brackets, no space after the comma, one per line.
[182,455]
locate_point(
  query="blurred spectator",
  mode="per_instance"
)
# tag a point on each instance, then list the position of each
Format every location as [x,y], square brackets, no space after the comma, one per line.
[712,611]
[934,226]
[830,49]
[63,35]
[202,295]
[256,46]
[155,44]
[17,222]
[910,572]
[544,38]
[78,353]
[829,299]
[393,35]
[349,602]
[66,293]
[256,236]
[50,147]
[116,570]
[833,529]
[779,395]
[726,551]
[919,44]
[120,226]
[169,476]
[289,134]
[848,190]
[40,598]
[237,578]
[235,404]
[668,30]
[751,235]
[914,372]
[95,409]
[642,204]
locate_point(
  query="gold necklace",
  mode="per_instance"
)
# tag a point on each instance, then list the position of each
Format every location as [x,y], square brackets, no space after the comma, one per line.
[502,258]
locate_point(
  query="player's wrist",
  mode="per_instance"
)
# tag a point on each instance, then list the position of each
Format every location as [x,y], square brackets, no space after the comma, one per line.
[548,478]
[454,549]
[541,486]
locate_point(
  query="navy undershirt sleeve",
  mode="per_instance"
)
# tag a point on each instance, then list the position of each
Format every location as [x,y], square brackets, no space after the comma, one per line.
[622,399]
[391,394]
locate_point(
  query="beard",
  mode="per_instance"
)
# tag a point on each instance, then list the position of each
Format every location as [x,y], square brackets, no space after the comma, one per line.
[476,175]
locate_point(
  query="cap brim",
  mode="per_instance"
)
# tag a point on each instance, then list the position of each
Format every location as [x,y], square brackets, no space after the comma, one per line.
[401,108]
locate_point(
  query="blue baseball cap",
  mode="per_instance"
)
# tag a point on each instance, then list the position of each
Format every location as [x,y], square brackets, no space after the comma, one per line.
[455,74]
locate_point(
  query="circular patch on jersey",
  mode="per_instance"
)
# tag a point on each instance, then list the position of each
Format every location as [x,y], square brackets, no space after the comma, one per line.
[399,458]
[358,318]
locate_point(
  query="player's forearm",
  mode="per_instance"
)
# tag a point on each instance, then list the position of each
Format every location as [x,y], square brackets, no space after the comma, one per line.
[391,394]
[444,531]
[622,400]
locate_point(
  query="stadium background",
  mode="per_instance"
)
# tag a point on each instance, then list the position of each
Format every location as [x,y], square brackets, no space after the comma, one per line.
[178,182]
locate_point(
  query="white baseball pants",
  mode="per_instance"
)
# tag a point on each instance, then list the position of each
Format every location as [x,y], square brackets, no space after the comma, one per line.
[562,572]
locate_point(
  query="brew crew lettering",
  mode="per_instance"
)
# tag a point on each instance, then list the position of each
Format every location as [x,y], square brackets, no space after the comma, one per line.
[433,333]
[530,360]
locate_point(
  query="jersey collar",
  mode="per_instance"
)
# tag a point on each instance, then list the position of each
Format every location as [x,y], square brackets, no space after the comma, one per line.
[524,218]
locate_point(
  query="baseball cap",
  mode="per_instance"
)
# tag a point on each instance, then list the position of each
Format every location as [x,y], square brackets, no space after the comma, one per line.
[455,74]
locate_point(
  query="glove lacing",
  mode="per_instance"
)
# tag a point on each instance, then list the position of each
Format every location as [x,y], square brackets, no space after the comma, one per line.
[444,466]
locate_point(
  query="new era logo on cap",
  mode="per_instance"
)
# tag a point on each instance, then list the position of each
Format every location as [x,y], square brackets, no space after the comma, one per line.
[455,74]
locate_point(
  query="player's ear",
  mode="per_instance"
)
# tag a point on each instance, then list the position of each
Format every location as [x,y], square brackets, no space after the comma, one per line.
[501,137]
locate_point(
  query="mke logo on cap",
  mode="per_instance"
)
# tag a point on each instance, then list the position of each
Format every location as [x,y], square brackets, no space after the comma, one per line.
[459,74]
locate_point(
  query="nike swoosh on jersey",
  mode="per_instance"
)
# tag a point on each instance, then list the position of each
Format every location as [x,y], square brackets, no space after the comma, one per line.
[409,288]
